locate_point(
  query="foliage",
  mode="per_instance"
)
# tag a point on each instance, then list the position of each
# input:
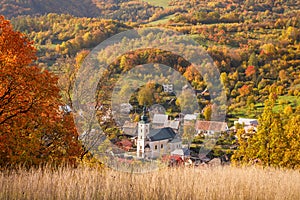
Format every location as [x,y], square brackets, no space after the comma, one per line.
[146,94]
[254,44]
[58,35]
[276,142]
[33,129]
[124,10]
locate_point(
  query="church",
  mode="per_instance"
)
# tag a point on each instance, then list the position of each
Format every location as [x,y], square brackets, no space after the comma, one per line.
[157,142]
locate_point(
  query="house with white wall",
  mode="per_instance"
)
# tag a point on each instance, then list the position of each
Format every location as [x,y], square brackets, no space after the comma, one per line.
[248,124]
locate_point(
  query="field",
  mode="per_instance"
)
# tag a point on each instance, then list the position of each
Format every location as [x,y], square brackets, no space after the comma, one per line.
[162,20]
[175,183]
[162,3]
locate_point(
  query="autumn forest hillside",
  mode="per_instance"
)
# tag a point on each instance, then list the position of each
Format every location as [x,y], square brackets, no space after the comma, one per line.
[254,44]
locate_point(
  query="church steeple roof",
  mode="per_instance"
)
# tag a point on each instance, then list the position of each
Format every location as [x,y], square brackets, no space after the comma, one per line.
[144,117]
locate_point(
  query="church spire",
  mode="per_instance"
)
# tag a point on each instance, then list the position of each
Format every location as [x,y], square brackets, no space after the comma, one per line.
[144,117]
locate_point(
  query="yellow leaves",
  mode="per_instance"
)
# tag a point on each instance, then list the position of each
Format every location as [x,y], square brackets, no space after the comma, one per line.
[276,143]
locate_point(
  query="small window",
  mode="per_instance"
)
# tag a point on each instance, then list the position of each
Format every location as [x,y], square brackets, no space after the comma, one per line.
[155,147]
[141,147]
[162,146]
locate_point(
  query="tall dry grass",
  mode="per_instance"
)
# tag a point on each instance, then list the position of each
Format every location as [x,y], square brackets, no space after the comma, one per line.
[178,183]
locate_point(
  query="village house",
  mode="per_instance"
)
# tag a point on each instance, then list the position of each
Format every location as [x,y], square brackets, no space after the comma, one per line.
[249,125]
[190,117]
[159,121]
[168,88]
[210,127]
[174,124]
[130,128]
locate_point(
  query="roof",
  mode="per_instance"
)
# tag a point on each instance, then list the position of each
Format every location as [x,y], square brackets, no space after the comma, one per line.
[181,152]
[159,118]
[174,124]
[211,125]
[130,128]
[176,140]
[144,117]
[162,134]
[65,108]
[129,124]
[126,107]
[190,117]
[124,142]
[247,122]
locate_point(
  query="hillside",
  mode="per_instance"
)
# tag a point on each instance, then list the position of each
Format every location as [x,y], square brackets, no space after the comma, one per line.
[85,8]
[255,44]
[122,10]
[263,37]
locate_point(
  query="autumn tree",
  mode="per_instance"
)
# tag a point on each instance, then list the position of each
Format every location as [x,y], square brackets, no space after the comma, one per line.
[189,132]
[276,142]
[250,70]
[207,112]
[291,157]
[186,101]
[68,67]
[33,129]
[146,94]
[244,90]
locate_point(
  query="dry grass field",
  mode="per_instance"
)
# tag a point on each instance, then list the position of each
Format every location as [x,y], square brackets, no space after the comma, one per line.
[175,183]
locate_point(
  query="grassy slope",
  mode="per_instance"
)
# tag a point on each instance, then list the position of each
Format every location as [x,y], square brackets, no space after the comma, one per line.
[162,3]
[175,183]
[162,20]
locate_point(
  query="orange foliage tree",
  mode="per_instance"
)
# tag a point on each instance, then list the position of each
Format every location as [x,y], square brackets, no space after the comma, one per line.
[33,129]
[250,70]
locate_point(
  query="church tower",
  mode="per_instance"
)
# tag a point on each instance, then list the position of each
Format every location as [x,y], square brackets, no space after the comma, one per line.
[143,131]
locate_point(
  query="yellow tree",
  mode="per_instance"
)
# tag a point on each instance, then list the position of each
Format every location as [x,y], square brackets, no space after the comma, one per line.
[267,145]
[146,94]
[292,152]
[276,143]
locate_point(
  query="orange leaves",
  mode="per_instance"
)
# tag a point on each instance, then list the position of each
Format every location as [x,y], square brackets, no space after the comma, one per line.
[32,128]
[15,48]
[250,71]
[244,90]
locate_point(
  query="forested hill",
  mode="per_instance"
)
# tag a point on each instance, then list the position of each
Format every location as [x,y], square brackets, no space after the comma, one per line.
[122,10]
[81,8]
